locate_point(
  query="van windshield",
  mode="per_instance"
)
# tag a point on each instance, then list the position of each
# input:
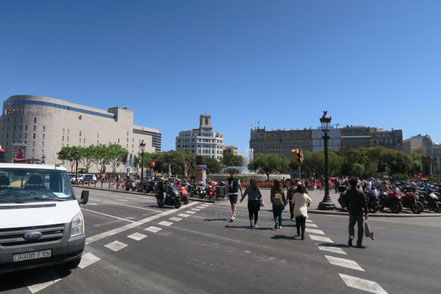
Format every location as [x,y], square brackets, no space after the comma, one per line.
[21,185]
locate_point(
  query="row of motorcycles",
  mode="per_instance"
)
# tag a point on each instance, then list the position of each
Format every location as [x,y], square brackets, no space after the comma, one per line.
[179,193]
[401,195]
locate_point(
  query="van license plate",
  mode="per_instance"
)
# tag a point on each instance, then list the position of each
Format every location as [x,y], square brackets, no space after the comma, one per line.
[31,255]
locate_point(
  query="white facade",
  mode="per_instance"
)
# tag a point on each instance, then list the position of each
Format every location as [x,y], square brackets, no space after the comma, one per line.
[41,126]
[202,141]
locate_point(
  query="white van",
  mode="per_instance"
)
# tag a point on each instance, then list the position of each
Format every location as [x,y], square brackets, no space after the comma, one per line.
[41,223]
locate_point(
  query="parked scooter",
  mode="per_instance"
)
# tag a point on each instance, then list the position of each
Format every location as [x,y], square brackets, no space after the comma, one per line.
[199,190]
[173,197]
[372,198]
[150,186]
[430,200]
[129,184]
[391,200]
[343,200]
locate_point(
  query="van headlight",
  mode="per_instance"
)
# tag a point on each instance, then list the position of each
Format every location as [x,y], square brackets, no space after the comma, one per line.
[77,225]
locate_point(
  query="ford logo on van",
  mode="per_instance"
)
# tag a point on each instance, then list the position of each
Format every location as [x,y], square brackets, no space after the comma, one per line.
[31,236]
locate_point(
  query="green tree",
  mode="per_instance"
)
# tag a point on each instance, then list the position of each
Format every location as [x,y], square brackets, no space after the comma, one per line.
[86,156]
[269,163]
[117,155]
[69,154]
[213,165]
[232,160]
[314,163]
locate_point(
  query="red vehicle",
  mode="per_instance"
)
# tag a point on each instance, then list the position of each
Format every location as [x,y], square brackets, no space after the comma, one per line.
[184,194]
[391,200]
[211,189]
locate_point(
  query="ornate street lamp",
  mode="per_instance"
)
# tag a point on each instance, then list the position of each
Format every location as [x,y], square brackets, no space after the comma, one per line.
[142,148]
[326,203]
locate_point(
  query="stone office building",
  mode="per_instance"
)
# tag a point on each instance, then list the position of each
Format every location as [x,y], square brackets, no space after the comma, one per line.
[202,141]
[360,136]
[41,126]
[280,141]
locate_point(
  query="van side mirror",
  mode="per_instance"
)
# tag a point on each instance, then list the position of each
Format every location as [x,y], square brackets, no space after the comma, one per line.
[84,197]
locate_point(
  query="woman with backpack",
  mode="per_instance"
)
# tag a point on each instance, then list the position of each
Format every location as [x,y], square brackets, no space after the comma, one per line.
[254,196]
[278,201]
[301,203]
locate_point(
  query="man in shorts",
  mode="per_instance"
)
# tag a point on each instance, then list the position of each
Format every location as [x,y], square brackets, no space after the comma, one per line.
[233,188]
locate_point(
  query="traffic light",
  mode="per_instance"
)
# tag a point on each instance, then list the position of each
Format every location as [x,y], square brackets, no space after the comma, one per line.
[299,156]
[294,157]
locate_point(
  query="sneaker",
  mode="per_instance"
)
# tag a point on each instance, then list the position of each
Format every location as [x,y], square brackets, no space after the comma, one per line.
[280,226]
[350,242]
[303,237]
[361,246]
[231,220]
[275,226]
[255,226]
[233,217]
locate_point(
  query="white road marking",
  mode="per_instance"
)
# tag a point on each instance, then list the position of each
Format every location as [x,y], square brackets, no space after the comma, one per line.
[365,285]
[247,251]
[165,223]
[127,227]
[331,249]
[50,277]
[88,259]
[175,219]
[92,204]
[116,246]
[321,238]
[190,212]
[137,236]
[183,215]
[320,232]
[195,209]
[344,263]
[131,206]
[312,226]
[153,229]
[308,221]
[108,215]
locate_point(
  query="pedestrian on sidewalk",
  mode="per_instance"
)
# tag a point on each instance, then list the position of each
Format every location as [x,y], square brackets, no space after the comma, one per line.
[278,201]
[233,188]
[301,202]
[357,205]
[254,195]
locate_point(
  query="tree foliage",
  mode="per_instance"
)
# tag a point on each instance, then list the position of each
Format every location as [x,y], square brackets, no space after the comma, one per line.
[232,160]
[269,163]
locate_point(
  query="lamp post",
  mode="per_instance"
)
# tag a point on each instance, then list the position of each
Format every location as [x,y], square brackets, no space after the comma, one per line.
[77,155]
[142,148]
[326,203]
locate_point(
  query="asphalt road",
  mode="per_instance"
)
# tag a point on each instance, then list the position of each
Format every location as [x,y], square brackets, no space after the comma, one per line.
[136,247]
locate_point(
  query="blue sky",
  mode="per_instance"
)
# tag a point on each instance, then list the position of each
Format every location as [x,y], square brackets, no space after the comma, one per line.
[373,63]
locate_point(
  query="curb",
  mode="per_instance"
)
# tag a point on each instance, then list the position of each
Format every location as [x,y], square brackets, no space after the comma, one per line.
[330,212]
[138,193]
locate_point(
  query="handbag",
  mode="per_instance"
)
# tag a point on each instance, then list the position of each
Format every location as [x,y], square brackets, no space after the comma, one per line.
[261,202]
[367,230]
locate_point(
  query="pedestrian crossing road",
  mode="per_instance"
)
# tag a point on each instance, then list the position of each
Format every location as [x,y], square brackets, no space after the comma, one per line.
[135,247]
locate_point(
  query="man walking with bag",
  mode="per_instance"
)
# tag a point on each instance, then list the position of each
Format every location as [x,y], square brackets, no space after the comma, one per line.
[357,206]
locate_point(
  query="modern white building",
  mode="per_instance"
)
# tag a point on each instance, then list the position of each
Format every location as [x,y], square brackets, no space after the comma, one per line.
[41,126]
[203,141]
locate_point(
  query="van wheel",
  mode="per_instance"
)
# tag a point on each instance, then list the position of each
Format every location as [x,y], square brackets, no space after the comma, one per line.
[73,264]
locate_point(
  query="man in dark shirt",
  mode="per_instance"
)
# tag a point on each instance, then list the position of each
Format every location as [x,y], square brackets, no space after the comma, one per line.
[357,206]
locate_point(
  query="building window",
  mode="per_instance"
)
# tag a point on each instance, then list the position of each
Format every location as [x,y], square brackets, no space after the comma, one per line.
[26,135]
[44,129]
[118,140]
[62,132]
[33,135]
[98,135]
[62,138]
[33,143]
[80,140]
[68,131]
[67,139]
[44,136]
[33,152]
[26,127]
[80,133]
[42,144]
[84,141]
[35,120]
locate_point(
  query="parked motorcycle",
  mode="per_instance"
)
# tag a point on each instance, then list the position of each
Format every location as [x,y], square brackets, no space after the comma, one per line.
[411,200]
[173,197]
[150,186]
[129,185]
[199,190]
[391,200]
[372,198]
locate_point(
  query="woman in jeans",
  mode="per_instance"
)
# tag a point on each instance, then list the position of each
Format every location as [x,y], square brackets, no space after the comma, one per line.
[278,201]
[254,195]
[301,203]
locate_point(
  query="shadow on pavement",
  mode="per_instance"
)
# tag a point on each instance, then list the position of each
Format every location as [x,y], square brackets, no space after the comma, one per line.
[332,245]
[283,237]
[24,278]
[215,220]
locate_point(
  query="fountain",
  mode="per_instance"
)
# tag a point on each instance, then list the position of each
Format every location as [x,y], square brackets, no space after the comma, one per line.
[130,163]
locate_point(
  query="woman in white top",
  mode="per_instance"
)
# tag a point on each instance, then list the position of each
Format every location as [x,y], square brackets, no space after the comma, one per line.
[301,203]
